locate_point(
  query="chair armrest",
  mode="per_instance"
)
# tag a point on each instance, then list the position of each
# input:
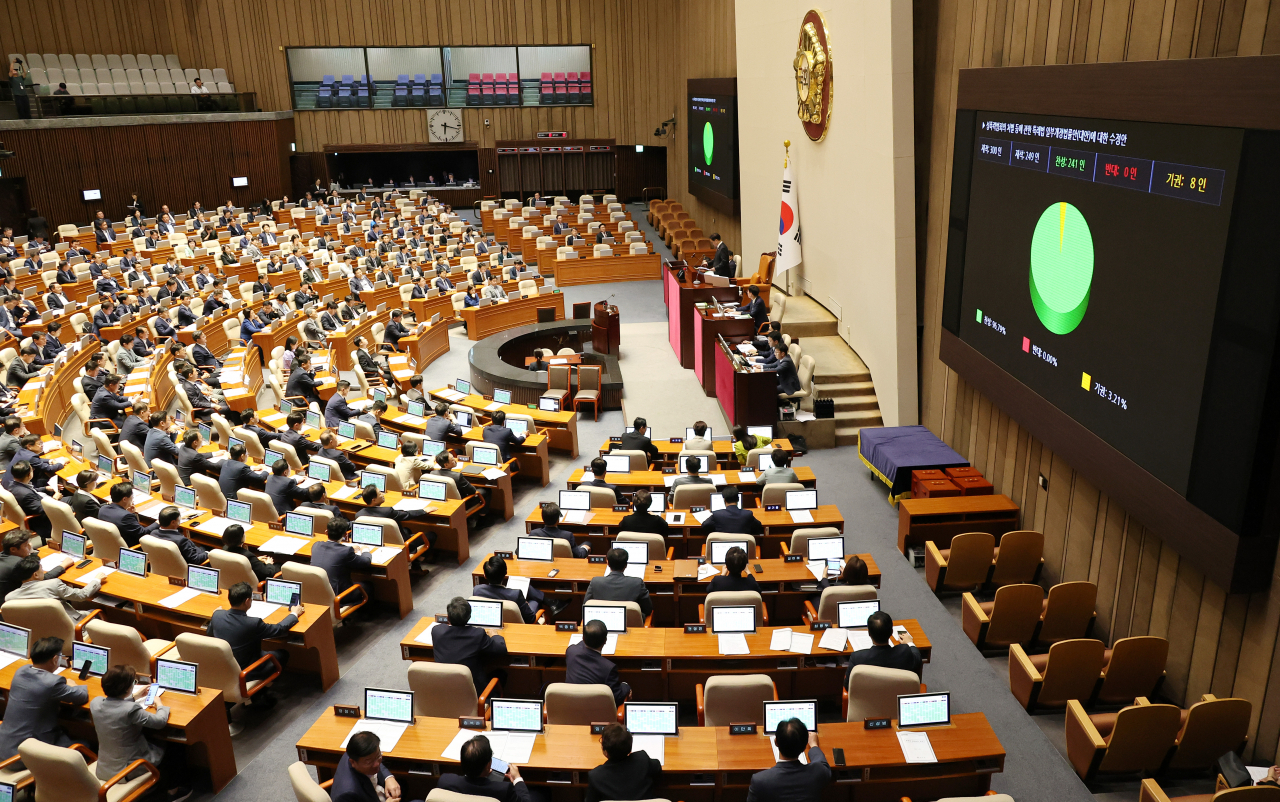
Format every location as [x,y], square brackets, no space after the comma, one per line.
[810,612]
[1085,746]
[973,620]
[671,552]
[844,702]
[702,613]
[1152,792]
[107,421]
[89,754]
[337,602]
[764,612]
[92,614]
[541,617]
[414,555]
[935,566]
[171,646]
[244,675]
[786,547]
[327,784]
[137,792]
[1024,679]
[482,701]
[700,697]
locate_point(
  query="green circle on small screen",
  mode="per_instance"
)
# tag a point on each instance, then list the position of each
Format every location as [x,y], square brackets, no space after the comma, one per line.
[1061,267]
[708,142]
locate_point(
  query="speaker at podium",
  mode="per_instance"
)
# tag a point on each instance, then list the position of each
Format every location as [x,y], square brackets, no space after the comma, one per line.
[605,333]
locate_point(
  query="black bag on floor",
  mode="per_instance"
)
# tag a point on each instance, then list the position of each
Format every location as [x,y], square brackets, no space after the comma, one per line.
[824,408]
[799,446]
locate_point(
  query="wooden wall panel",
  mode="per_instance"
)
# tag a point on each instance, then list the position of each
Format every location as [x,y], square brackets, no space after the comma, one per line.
[1218,643]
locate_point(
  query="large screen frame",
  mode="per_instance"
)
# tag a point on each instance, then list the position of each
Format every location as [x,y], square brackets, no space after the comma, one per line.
[725,87]
[1216,93]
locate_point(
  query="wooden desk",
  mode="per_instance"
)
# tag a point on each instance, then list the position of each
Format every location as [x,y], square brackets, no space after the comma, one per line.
[561,427]
[341,344]
[565,359]
[669,451]
[747,397]
[666,663]
[419,350]
[675,589]
[940,519]
[599,270]
[199,721]
[485,320]
[708,325]
[243,394]
[47,404]
[425,308]
[702,763]
[681,298]
[656,481]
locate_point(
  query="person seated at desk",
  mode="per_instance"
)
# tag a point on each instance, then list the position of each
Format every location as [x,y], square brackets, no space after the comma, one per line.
[264,567]
[336,410]
[204,359]
[414,393]
[735,562]
[245,635]
[66,274]
[755,307]
[234,474]
[904,656]
[640,519]
[202,405]
[732,518]
[83,503]
[14,429]
[338,559]
[360,776]
[29,450]
[395,329]
[7,319]
[540,357]
[53,346]
[440,426]
[17,547]
[586,665]
[495,587]
[190,460]
[624,774]
[446,464]
[34,584]
[478,779]
[282,488]
[636,440]
[120,723]
[699,441]
[109,403]
[501,436]
[302,382]
[457,643]
[744,443]
[374,500]
[186,316]
[790,780]
[781,470]
[373,416]
[328,441]
[599,469]
[494,290]
[409,466]
[119,513]
[126,357]
[550,518]
[788,379]
[617,586]
[250,423]
[35,700]
[160,440]
[692,465]
[23,369]
[168,530]
[29,500]
[317,500]
[56,299]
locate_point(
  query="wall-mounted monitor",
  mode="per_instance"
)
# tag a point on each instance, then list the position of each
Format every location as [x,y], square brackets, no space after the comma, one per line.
[92,194]
[240,181]
[712,135]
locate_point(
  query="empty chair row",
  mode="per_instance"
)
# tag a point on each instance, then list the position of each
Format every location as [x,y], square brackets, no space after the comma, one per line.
[135,88]
[57,75]
[420,78]
[565,93]
[1084,670]
[562,77]
[110,61]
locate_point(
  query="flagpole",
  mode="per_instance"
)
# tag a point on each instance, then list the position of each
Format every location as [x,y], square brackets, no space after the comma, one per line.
[786,143]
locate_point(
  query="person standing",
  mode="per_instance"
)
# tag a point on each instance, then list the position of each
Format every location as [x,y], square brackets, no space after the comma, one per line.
[18,88]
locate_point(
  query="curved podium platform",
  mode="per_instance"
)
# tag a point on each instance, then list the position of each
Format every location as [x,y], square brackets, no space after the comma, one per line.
[498,360]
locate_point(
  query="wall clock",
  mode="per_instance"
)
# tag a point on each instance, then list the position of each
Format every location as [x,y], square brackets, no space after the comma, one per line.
[812,66]
[444,125]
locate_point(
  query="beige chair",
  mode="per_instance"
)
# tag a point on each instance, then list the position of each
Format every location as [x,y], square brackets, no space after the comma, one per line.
[964,566]
[1132,667]
[12,510]
[800,538]
[103,443]
[1211,728]
[105,538]
[393,479]
[68,775]
[639,459]
[290,454]
[218,668]
[588,389]
[305,788]
[511,613]
[1136,739]
[753,457]
[1152,792]
[232,569]
[209,493]
[602,498]
[441,795]
[46,618]
[222,426]
[446,690]
[392,534]
[1068,612]
[128,646]
[580,705]
[829,602]
[873,691]
[252,446]
[721,537]
[1019,558]
[133,457]
[317,590]
[658,548]
[1011,618]
[734,697]
[61,519]
[687,496]
[1069,671]
[263,508]
[776,493]
[164,557]
[168,476]
[730,598]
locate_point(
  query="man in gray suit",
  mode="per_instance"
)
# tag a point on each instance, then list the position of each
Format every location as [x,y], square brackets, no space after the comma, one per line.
[120,722]
[617,586]
[35,585]
[790,780]
[692,465]
[16,547]
[13,428]
[35,698]
[781,470]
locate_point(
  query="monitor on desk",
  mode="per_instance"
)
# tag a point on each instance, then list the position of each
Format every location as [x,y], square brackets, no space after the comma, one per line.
[575,500]
[613,616]
[7,792]
[240,511]
[854,614]
[657,503]
[924,710]
[637,551]
[73,544]
[176,675]
[777,712]
[652,718]
[232,442]
[105,465]
[501,396]
[142,481]
[761,431]
[432,447]
[378,480]
[206,432]
[733,618]
[389,440]
[617,463]
[689,435]
[487,614]
[485,455]
[719,549]
[15,639]
[802,499]
[98,658]
[346,429]
[518,426]
[515,715]
[272,457]
[284,592]
[535,548]
[549,404]
[314,420]
[379,394]
[704,463]
[202,579]
[385,705]
[298,523]
[318,470]
[463,386]
[717,502]
[132,562]
[825,548]
[431,490]
[366,534]
[416,408]
[286,407]
[648,432]
[184,497]
[766,461]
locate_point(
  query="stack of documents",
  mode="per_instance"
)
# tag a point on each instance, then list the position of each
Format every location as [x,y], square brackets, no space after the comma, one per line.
[733,643]
[513,747]
[283,544]
[788,640]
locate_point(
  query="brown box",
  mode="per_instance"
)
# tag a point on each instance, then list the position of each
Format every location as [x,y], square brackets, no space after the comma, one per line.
[936,488]
[954,473]
[973,486]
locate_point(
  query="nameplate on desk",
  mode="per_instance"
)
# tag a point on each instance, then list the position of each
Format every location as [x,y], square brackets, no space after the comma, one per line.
[470,723]
[818,626]
[347,711]
[566,626]
[442,619]
[668,470]
[743,728]
[596,558]
[506,555]
[620,508]
[166,497]
[772,507]
[677,440]
[275,527]
[177,580]
[793,558]
[597,727]
[695,629]
[615,439]
[876,724]
[697,509]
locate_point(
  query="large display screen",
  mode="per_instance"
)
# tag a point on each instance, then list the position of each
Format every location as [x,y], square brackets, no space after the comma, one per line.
[1092,264]
[713,142]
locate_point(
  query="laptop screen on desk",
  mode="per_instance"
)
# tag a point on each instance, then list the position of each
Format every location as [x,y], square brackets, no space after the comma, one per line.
[378,480]
[416,408]
[689,434]
[924,710]
[535,548]
[717,502]
[617,463]
[637,551]
[314,420]
[518,426]
[240,511]
[176,675]
[462,418]
[502,396]
[105,465]
[733,618]
[282,591]
[854,614]
[387,705]
[15,639]
[761,431]
[6,792]
[718,549]
[549,404]
[463,386]
[142,481]
[98,658]
[614,617]
[704,463]
[366,534]
[346,429]
[515,714]
[825,548]
[648,718]
[575,500]
[431,490]
[273,457]
[487,614]
[297,523]
[133,562]
[388,440]
[206,432]
[766,461]
[802,499]
[431,447]
[777,712]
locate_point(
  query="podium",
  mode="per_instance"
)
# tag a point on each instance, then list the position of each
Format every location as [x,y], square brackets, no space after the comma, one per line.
[605,333]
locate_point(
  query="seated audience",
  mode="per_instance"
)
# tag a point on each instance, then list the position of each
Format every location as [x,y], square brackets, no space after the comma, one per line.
[624,774]
[617,586]
[458,643]
[585,664]
[904,656]
[790,780]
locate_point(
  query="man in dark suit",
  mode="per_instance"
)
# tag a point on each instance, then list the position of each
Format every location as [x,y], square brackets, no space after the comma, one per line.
[755,307]
[42,469]
[790,780]
[327,442]
[550,520]
[469,646]
[904,656]
[160,443]
[108,402]
[245,634]
[234,474]
[598,472]
[190,460]
[395,329]
[374,499]
[135,427]
[168,530]
[448,463]
[732,518]
[318,500]
[202,406]
[788,379]
[722,263]
[360,776]
[28,499]
[440,426]
[283,489]
[640,519]
[17,547]
[56,298]
[22,369]
[495,587]
[500,435]
[294,437]
[338,559]
[585,665]
[337,411]
[624,774]
[637,440]
[478,777]
[233,542]
[119,513]
[35,700]
[303,383]
[617,586]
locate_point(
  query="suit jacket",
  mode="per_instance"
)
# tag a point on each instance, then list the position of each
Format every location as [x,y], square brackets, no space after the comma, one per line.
[30,502]
[85,505]
[284,491]
[126,522]
[777,475]
[20,373]
[8,582]
[350,785]
[204,357]
[471,647]
[304,384]
[644,522]
[733,519]
[159,444]
[586,666]
[349,470]
[757,310]
[635,776]
[554,531]
[616,586]
[120,724]
[503,438]
[689,479]
[495,785]
[245,634]
[193,554]
[395,330]
[338,560]
[639,442]
[110,406]
[722,263]
[195,395]
[788,379]
[791,780]
[233,475]
[8,447]
[300,444]
[191,461]
[439,428]
[337,411]
[35,699]
[528,610]
[731,582]
[903,656]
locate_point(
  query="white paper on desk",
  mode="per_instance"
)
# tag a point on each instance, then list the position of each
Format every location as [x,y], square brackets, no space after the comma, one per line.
[1255,772]
[575,517]
[916,747]
[411,504]
[801,516]
[308,482]
[636,570]
[425,635]
[493,407]
[48,563]
[655,746]
[733,643]
[669,480]
[746,476]
[99,574]
[610,644]
[411,420]
[388,732]
[384,554]
[274,418]
[283,544]
[801,643]
[575,638]
[701,516]
[51,445]
[804,756]
[215,525]
[454,750]
[179,598]
[520,583]
[360,403]
[344,492]
[859,640]
[7,659]
[518,747]
[706,571]
[717,479]
[899,631]
[493,473]
[780,641]
[261,609]
[151,509]
[834,639]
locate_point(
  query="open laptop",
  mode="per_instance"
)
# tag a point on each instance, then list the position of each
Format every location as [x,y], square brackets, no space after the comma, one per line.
[98,658]
[366,534]
[378,480]
[501,396]
[15,639]
[283,592]
[617,463]
[300,524]
[202,579]
[802,500]
[132,562]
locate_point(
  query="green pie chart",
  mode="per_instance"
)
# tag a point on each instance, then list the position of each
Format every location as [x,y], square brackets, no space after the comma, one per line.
[1061,267]
[708,142]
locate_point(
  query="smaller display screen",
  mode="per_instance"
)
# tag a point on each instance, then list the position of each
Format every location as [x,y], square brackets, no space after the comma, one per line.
[175,675]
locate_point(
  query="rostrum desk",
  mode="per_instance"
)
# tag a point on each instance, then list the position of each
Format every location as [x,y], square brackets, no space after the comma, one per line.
[485,320]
